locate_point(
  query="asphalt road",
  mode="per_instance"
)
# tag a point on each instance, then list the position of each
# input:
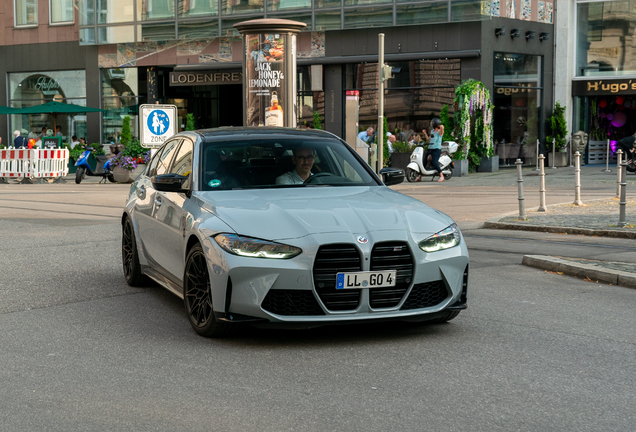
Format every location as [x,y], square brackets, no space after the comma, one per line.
[81,350]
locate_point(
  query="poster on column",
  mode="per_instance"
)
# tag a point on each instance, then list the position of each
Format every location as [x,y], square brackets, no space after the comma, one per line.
[157,124]
[265,79]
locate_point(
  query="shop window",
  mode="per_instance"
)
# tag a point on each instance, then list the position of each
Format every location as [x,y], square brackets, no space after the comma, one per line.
[112,119]
[364,2]
[320,4]
[274,5]
[61,11]
[157,9]
[195,8]
[116,11]
[235,7]
[111,35]
[26,12]
[198,29]
[86,13]
[469,10]
[518,97]
[295,17]
[327,20]
[604,38]
[158,32]
[368,17]
[422,13]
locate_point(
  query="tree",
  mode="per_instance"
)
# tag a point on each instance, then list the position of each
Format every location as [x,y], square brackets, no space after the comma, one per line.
[190,122]
[558,127]
[126,136]
[317,120]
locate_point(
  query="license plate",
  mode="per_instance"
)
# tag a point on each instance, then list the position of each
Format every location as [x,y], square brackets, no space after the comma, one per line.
[368,279]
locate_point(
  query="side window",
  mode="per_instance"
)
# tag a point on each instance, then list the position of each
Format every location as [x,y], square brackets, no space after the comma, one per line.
[164,159]
[152,169]
[182,164]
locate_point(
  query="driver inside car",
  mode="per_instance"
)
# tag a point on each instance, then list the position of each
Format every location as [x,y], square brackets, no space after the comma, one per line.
[303,159]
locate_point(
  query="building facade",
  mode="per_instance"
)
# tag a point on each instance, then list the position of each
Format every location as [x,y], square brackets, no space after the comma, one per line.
[118,54]
[598,81]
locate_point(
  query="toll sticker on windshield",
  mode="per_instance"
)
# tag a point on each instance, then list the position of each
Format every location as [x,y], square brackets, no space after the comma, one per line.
[215,183]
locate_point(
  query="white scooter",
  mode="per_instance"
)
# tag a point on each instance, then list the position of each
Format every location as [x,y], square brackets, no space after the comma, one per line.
[417,167]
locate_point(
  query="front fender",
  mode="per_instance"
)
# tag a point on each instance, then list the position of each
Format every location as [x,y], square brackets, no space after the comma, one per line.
[414,166]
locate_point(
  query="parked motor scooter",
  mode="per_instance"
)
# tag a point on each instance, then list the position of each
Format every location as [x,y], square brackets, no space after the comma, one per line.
[84,169]
[418,167]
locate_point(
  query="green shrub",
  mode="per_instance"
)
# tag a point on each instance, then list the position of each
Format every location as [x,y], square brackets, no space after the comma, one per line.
[402,147]
[190,122]
[126,136]
[558,127]
[317,120]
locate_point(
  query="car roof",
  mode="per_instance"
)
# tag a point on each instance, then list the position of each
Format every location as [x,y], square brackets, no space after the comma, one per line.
[264,132]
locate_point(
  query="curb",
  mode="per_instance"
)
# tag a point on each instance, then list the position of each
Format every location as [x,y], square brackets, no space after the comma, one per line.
[609,276]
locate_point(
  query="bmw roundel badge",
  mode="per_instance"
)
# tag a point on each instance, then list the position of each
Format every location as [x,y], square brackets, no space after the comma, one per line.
[363,240]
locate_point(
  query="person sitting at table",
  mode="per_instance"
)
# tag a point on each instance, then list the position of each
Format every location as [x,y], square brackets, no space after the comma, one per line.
[74,141]
[19,141]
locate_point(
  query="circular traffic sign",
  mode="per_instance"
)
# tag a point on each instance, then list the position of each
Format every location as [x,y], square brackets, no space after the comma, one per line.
[158,122]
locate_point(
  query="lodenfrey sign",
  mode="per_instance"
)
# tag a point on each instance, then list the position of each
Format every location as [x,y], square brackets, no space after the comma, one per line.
[157,124]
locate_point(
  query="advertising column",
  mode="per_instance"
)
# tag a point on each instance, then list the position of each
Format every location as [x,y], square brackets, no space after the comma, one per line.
[269,71]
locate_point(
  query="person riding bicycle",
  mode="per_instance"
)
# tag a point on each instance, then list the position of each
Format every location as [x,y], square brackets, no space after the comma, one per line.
[435,146]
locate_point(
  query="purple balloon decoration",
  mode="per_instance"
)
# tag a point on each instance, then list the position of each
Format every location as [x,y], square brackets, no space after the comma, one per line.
[610,116]
[619,119]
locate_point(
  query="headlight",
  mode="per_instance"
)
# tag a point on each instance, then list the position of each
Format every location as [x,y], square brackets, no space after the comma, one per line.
[445,239]
[255,248]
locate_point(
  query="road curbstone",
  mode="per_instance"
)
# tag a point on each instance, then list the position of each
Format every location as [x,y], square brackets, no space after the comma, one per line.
[581,270]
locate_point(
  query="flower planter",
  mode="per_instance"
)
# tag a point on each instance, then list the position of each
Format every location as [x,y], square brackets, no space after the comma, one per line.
[489,164]
[461,167]
[124,176]
[560,159]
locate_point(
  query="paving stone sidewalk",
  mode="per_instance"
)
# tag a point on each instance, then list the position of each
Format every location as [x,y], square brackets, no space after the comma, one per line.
[598,217]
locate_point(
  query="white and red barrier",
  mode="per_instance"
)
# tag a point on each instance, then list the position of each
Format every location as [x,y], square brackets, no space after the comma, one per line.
[33,163]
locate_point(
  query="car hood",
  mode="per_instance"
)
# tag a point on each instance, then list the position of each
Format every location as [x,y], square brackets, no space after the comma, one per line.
[278,214]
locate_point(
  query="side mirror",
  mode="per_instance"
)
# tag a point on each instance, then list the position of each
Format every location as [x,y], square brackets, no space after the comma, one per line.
[392,176]
[168,182]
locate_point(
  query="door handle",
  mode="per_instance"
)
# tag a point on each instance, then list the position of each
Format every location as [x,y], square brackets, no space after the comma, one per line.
[158,202]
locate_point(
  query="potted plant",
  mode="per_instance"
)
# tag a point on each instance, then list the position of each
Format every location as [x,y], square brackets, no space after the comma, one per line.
[401,155]
[557,137]
[130,162]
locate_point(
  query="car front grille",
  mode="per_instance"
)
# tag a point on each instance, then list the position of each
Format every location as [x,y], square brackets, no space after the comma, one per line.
[391,256]
[426,295]
[332,259]
[291,302]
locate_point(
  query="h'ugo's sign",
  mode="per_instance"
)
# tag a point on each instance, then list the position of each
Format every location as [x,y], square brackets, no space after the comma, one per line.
[603,87]
[190,78]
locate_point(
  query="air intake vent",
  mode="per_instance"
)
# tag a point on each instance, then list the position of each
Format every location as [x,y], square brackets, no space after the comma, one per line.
[334,259]
[391,256]
[426,295]
[291,302]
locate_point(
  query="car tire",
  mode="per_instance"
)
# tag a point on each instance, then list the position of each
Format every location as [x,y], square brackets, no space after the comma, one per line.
[411,175]
[79,175]
[197,297]
[130,257]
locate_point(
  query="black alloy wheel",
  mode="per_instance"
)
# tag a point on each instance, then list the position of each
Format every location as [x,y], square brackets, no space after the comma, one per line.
[197,296]
[79,174]
[130,257]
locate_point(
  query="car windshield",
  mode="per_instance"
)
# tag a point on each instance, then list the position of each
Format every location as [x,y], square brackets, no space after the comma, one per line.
[280,163]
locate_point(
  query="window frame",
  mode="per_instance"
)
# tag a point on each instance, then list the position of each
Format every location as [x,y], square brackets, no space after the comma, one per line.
[15,15]
[61,23]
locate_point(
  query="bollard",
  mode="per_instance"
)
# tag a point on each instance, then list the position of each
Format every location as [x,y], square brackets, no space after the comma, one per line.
[577,179]
[542,207]
[623,199]
[538,145]
[607,157]
[619,159]
[522,210]
[553,155]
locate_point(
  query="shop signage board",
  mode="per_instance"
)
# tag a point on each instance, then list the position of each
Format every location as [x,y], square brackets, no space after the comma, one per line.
[157,124]
[604,87]
[51,142]
[211,77]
